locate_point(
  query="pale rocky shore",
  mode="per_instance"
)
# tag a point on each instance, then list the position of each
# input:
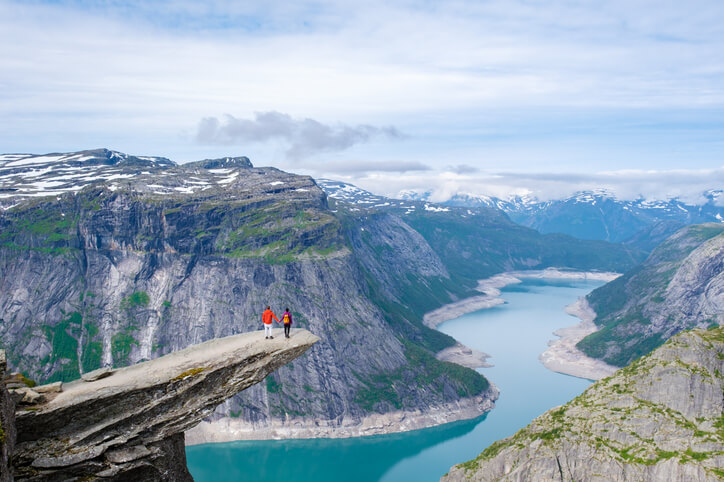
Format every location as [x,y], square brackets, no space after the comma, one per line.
[229,429]
[563,356]
[490,287]
[462,355]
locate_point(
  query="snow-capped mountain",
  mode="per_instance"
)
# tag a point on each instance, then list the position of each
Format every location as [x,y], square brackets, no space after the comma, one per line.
[359,199]
[600,215]
[596,214]
[24,176]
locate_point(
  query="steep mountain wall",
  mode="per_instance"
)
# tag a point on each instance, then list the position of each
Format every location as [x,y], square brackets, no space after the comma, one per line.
[658,419]
[129,270]
[680,286]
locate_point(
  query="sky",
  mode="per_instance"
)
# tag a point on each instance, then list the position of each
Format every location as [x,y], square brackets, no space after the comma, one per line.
[498,97]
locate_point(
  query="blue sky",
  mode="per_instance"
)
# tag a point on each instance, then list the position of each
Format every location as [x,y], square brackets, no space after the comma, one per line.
[490,97]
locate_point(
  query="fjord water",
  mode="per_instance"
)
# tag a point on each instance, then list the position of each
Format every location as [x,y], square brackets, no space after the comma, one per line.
[514,334]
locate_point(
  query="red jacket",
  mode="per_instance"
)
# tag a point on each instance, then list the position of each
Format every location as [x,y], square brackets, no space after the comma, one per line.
[267,316]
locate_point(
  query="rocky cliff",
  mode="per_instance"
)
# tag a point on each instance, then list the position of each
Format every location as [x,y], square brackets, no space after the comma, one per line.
[679,286]
[661,418]
[129,424]
[132,258]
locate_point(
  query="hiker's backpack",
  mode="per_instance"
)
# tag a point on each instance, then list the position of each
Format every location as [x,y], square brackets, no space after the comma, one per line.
[286,319]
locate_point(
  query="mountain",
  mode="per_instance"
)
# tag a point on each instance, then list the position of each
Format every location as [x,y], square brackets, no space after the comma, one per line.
[679,286]
[108,259]
[475,243]
[138,258]
[600,215]
[597,215]
[658,419]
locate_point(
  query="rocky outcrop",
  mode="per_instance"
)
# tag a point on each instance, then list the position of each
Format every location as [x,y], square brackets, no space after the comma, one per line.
[659,419]
[129,425]
[680,286]
[7,424]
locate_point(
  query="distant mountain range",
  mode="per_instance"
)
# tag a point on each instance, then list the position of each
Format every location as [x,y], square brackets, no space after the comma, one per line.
[594,215]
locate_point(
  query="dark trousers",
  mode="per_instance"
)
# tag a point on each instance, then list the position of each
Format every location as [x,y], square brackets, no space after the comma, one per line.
[287,327]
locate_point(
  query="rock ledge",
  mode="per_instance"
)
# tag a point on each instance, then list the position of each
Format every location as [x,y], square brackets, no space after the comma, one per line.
[130,426]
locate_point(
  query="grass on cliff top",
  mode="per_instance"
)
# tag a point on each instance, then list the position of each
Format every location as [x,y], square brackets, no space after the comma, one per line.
[280,233]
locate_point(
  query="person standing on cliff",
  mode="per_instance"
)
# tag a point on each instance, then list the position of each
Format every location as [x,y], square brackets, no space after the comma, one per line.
[266,318]
[287,321]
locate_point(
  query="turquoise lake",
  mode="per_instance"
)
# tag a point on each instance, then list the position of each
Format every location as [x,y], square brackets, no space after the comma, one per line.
[514,334]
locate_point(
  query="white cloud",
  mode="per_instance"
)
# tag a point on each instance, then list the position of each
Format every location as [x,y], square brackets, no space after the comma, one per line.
[304,136]
[687,185]
[139,75]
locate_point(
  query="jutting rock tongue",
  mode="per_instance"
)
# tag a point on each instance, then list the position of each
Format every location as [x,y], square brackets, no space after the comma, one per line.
[129,425]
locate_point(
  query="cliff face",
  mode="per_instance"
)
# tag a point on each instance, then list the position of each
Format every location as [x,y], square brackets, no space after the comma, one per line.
[659,419]
[129,424]
[7,424]
[680,286]
[147,259]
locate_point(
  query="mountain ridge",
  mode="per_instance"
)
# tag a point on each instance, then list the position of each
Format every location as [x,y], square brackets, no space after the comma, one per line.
[658,419]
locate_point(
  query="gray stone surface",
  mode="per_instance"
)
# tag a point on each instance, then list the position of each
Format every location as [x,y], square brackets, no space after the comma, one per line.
[97,374]
[30,396]
[124,426]
[49,388]
[658,419]
[680,286]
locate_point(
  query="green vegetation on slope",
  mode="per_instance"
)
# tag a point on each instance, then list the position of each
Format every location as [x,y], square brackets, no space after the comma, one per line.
[625,306]
[387,391]
[39,226]
[483,245]
[615,415]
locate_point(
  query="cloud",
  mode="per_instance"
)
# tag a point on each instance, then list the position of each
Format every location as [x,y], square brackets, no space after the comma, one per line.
[518,83]
[463,169]
[688,185]
[364,167]
[305,137]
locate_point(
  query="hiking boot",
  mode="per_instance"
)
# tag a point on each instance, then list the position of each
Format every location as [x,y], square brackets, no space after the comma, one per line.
[271,337]
[266,337]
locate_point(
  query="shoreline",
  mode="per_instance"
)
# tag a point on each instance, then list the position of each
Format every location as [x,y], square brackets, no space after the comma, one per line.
[490,287]
[563,356]
[462,355]
[228,429]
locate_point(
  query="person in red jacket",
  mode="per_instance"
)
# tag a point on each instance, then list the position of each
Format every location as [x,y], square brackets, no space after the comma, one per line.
[266,318]
[287,321]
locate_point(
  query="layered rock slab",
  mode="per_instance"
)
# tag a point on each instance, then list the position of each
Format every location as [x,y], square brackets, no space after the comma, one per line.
[131,424]
[658,419]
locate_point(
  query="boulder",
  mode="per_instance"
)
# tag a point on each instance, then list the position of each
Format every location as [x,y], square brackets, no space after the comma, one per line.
[49,388]
[97,374]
